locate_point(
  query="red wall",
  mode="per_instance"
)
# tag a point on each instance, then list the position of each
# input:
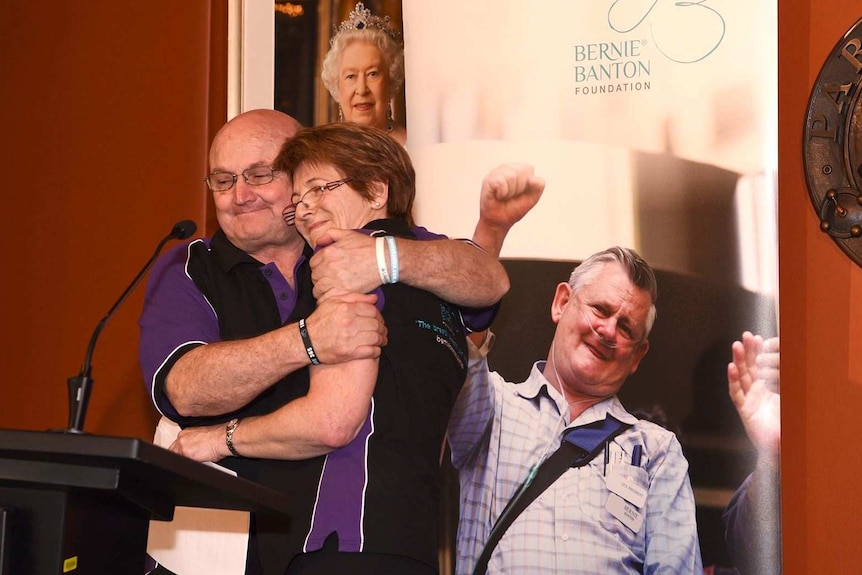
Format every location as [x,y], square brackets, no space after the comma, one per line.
[820,323]
[106,116]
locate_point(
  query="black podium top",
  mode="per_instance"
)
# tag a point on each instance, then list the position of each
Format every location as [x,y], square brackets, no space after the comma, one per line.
[145,474]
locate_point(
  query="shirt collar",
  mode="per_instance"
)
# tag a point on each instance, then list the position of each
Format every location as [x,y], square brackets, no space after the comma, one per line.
[537,383]
[228,254]
[388,226]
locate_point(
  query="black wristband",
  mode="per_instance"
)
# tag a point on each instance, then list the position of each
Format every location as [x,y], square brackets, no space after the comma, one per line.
[306,341]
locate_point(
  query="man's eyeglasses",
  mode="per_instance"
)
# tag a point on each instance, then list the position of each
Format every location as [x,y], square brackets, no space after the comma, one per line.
[311,196]
[255,176]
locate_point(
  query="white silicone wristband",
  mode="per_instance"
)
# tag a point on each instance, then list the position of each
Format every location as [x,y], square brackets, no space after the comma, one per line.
[381,261]
[393,258]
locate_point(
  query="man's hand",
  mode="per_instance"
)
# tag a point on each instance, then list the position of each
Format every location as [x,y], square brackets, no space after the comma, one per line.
[345,327]
[509,191]
[453,270]
[346,263]
[753,383]
[202,443]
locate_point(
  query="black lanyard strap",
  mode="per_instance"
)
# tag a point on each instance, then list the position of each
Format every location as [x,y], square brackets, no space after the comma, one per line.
[580,445]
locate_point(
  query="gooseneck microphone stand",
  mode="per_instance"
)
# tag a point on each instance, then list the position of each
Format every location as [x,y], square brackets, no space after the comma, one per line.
[81,384]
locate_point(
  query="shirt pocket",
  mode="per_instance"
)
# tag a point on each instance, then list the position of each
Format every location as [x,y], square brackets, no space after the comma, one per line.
[593,495]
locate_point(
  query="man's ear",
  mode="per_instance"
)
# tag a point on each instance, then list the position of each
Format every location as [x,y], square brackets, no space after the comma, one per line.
[561,299]
[379,194]
[640,352]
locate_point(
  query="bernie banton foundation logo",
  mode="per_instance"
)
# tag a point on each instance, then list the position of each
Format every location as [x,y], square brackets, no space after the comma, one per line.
[608,67]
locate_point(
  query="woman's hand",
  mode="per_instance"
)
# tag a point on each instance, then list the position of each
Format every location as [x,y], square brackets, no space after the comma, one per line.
[202,443]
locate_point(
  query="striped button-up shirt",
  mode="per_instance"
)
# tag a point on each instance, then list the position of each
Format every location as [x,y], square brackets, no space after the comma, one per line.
[592,519]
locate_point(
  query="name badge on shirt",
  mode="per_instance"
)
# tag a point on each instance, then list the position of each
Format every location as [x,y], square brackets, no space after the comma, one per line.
[614,455]
[625,512]
[629,482]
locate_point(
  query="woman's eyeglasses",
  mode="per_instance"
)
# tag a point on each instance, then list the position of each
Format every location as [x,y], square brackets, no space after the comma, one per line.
[310,197]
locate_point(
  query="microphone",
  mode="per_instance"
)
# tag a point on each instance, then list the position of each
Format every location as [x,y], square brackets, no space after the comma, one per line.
[180,231]
[80,385]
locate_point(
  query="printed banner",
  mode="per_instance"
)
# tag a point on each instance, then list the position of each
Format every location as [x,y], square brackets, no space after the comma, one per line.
[654,124]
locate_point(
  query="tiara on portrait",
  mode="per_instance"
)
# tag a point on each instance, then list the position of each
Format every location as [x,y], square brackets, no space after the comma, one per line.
[361,18]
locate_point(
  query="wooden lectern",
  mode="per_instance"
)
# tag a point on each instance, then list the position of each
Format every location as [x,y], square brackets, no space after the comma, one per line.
[81,504]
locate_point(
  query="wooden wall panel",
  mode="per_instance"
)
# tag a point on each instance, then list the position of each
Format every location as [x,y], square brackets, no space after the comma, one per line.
[819,296]
[106,111]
